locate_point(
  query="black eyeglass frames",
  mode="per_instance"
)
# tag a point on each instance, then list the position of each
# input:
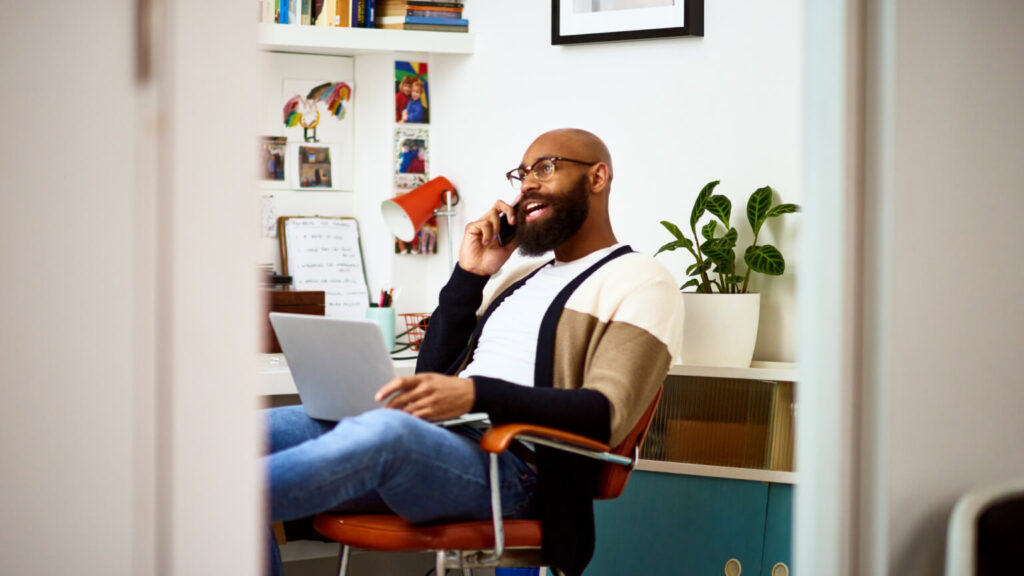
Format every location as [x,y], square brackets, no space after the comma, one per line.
[543,169]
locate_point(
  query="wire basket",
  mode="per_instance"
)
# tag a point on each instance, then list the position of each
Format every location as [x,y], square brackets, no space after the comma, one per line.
[415,328]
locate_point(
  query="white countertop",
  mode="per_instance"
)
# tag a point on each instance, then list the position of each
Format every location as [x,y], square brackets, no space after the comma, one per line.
[275,378]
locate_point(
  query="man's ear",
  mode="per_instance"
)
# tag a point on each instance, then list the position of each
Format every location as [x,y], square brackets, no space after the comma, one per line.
[598,177]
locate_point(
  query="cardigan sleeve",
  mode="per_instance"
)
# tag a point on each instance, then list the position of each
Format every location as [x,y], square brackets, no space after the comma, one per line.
[452,322]
[584,412]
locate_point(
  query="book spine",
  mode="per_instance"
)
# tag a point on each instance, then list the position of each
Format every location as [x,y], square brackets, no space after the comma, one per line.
[316,13]
[283,17]
[433,14]
[435,28]
[433,3]
[437,21]
[341,17]
[370,13]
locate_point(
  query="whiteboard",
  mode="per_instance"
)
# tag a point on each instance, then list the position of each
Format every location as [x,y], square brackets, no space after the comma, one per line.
[324,254]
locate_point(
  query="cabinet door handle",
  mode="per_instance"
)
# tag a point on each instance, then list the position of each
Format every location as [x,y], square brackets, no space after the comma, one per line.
[733,567]
[780,569]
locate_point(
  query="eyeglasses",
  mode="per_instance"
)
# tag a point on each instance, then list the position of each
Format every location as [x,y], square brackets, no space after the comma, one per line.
[543,169]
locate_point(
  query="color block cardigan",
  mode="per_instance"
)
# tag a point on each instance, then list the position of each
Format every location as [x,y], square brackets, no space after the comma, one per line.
[605,346]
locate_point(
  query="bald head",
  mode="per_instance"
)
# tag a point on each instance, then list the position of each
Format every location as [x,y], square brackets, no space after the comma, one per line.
[571,143]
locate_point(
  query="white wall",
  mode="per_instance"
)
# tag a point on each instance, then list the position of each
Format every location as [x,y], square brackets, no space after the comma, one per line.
[676,113]
[951,320]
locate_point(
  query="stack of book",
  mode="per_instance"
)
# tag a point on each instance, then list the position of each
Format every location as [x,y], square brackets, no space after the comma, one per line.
[333,13]
[434,15]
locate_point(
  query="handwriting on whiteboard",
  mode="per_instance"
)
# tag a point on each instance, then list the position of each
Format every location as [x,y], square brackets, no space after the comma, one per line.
[324,254]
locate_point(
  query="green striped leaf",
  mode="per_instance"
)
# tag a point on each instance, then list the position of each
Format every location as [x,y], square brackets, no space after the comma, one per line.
[674,245]
[701,203]
[783,209]
[708,231]
[721,207]
[765,259]
[697,269]
[757,207]
[673,229]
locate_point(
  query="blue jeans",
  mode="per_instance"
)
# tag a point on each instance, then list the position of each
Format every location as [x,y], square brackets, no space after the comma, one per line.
[385,461]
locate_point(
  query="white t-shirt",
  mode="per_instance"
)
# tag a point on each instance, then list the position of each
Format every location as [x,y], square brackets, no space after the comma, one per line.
[507,347]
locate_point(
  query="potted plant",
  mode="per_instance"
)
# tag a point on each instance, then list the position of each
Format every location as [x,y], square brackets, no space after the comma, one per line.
[721,316]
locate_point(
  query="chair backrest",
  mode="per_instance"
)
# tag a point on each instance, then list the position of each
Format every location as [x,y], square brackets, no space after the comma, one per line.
[985,531]
[611,481]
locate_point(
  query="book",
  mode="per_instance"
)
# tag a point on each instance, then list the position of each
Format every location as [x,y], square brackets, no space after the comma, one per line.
[448,3]
[411,7]
[282,18]
[327,17]
[422,5]
[390,8]
[370,16]
[305,18]
[392,22]
[434,13]
[437,21]
[435,27]
[341,13]
[316,13]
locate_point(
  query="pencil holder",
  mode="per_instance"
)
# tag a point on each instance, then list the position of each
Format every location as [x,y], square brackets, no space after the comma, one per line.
[385,318]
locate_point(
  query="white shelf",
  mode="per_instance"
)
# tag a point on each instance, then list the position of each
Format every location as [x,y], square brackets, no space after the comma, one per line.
[772,371]
[355,41]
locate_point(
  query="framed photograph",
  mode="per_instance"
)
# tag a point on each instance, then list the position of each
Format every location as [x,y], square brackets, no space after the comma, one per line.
[580,21]
[272,162]
[411,156]
[314,166]
[411,87]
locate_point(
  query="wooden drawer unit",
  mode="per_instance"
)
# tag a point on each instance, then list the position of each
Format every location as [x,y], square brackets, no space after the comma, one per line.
[293,302]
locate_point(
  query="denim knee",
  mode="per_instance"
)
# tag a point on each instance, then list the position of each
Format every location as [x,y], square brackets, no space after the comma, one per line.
[394,432]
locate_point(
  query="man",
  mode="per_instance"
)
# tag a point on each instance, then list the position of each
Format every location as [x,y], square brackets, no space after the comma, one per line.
[581,342]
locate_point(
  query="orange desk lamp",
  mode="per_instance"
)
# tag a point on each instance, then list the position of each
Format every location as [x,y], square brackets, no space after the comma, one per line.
[404,215]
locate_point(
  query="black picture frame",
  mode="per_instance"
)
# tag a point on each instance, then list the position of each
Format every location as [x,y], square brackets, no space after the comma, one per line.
[692,25]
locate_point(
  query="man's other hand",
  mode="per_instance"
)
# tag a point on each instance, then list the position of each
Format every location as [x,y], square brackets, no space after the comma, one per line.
[480,252]
[429,395]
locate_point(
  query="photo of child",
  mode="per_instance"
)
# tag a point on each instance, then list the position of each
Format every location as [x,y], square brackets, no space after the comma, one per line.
[411,87]
[411,156]
[272,149]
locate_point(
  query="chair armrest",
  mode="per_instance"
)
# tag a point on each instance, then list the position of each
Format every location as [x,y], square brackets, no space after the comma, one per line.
[498,438]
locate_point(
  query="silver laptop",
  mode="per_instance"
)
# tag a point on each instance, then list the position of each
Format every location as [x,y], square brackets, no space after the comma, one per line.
[338,365]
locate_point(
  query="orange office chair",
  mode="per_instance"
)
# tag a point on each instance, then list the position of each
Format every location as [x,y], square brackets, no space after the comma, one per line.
[477,544]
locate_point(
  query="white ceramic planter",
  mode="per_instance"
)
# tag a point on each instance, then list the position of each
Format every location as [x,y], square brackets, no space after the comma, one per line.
[720,329]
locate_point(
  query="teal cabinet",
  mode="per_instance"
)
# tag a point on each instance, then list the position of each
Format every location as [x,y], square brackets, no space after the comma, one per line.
[778,528]
[680,524]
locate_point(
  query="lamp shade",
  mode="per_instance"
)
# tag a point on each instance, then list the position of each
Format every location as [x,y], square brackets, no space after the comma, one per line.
[406,214]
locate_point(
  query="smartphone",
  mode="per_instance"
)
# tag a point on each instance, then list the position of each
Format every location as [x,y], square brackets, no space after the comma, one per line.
[506,231]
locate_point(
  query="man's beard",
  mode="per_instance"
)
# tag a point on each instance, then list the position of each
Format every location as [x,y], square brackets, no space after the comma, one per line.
[566,214]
